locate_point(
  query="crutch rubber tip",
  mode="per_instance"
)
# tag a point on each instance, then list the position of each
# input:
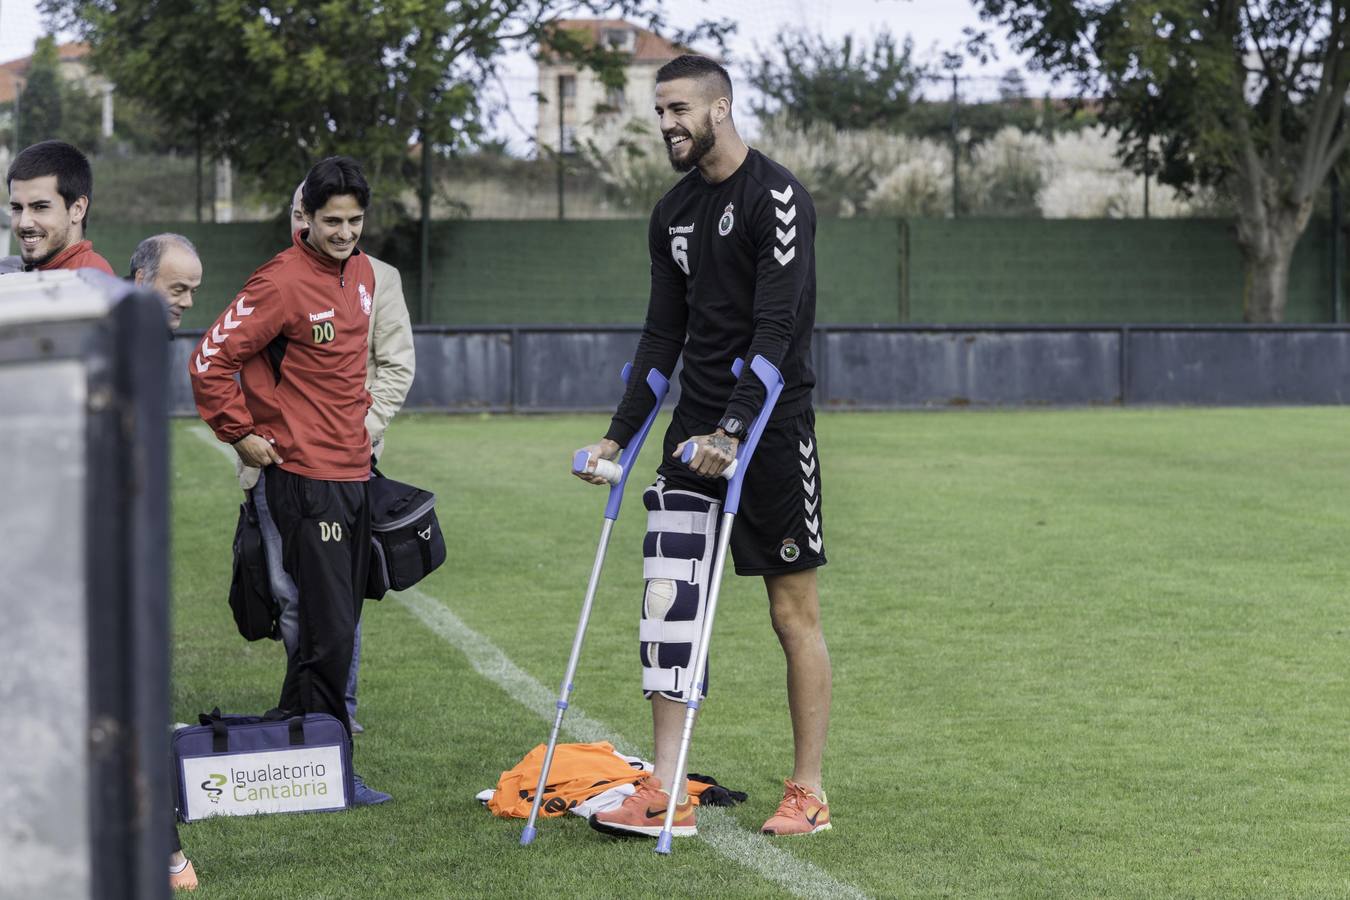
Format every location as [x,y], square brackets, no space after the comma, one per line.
[527,836]
[663,843]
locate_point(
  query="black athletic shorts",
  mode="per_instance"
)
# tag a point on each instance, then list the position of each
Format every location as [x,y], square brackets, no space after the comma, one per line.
[779,526]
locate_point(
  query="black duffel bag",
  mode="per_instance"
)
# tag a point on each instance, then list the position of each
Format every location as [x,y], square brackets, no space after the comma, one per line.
[256,611]
[405,537]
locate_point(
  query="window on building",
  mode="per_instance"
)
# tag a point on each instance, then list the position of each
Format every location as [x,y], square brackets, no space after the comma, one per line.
[567,86]
[620,39]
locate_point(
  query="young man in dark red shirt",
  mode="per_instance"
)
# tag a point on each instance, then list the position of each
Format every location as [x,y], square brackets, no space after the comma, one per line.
[297,337]
[50,188]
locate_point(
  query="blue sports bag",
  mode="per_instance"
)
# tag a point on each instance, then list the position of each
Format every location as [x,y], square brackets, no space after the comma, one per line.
[247,765]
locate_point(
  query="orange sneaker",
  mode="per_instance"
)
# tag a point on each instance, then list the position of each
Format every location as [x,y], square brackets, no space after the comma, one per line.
[801,812]
[644,813]
[185,880]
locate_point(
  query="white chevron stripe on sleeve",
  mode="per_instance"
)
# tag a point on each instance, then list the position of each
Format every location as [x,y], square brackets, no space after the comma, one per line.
[784,258]
[786,216]
[782,196]
[786,237]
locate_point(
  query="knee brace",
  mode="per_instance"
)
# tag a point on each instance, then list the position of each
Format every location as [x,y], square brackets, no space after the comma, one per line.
[677,561]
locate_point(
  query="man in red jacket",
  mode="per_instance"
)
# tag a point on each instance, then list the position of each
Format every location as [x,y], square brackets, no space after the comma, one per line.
[50,187]
[297,337]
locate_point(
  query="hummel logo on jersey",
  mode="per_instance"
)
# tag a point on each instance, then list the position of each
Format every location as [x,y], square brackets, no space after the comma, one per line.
[320,316]
[786,211]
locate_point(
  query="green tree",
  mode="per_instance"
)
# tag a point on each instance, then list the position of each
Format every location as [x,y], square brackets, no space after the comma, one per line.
[1247,97]
[40,108]
[82,116]
[850,85]
[1012,86]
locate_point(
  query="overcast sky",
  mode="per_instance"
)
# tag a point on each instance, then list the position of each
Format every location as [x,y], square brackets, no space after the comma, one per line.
[935,25]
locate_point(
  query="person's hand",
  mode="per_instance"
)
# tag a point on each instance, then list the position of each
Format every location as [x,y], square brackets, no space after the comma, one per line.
[256,451]
[247,475]
[604,449]
[715,452]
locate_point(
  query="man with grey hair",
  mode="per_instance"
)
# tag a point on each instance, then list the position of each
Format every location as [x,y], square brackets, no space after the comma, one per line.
[168,264]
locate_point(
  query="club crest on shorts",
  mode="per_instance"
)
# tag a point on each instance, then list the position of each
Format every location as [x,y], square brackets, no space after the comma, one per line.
[789,551]
[365,297]
[728,219]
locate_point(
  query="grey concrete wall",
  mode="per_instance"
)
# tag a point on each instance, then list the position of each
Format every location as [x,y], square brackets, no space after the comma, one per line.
[561,368]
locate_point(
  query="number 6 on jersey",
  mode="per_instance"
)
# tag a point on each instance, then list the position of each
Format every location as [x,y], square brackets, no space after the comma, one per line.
[679,249]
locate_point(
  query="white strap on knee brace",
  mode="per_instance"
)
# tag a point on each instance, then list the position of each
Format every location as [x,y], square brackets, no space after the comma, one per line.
[664,631]
[677,521]
[654,567]
[665,681]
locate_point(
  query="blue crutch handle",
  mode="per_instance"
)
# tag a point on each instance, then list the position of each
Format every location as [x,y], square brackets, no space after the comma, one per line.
[660,386]
[772,379]
[616,473]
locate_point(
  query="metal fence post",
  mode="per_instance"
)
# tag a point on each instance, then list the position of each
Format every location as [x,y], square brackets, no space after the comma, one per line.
[1124,365]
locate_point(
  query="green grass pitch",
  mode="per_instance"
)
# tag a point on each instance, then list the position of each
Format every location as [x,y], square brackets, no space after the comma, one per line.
[1094,653]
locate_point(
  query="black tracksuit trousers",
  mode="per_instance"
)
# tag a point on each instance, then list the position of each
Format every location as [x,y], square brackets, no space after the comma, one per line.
[325,542]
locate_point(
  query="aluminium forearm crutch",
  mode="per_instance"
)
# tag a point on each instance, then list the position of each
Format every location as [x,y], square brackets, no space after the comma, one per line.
[735,475]
[617,476]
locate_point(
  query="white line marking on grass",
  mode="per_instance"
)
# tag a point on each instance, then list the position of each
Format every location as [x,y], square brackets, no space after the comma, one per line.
[495,666]
[716,827]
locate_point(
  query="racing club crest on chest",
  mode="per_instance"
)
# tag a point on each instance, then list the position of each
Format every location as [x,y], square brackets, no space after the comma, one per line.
[724,224]
[365,297]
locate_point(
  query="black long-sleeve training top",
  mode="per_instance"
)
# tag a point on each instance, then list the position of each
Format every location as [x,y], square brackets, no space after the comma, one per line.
[733,275]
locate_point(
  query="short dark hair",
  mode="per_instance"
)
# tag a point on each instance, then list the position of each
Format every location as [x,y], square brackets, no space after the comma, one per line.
[74,178]
[151,250]
[333,177]
[691,65]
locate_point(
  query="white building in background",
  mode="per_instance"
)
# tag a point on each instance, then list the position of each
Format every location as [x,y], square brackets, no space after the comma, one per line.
[74,68]
[576,107]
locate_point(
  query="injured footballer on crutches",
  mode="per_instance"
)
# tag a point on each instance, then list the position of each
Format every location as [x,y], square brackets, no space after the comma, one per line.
[732,276]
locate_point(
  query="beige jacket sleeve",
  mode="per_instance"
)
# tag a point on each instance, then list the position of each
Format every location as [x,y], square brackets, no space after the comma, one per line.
[390,367]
